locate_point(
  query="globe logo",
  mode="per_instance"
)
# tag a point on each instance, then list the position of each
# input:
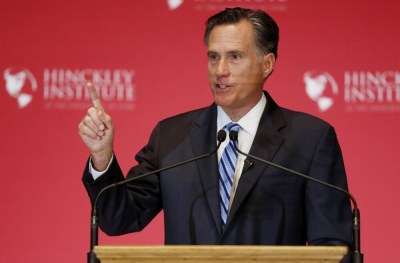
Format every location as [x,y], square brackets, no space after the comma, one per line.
[321,88]
[20,85]
[174,4]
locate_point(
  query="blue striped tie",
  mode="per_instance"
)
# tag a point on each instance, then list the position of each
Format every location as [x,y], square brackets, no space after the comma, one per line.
[226,168]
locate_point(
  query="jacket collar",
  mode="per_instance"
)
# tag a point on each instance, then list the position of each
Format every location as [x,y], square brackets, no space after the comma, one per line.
[266,144]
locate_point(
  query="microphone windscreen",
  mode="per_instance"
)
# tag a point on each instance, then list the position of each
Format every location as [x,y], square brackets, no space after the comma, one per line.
[221,136]
[233,135]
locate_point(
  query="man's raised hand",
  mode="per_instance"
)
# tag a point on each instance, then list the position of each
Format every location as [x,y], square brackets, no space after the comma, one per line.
[97,131]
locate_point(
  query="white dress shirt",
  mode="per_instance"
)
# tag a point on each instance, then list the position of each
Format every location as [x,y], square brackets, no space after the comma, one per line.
[249,125]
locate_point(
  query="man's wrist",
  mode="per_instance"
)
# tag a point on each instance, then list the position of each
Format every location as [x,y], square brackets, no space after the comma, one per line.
[95,172]
[100,161]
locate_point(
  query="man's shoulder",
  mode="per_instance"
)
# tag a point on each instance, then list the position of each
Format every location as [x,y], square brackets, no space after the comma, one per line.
[303,120]
[305,128]
[291,117]
[189,116]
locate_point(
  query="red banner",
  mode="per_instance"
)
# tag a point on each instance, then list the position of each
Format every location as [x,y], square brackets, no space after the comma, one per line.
[338,60]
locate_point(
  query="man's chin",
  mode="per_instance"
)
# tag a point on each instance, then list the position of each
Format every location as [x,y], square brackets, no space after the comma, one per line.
[224,104]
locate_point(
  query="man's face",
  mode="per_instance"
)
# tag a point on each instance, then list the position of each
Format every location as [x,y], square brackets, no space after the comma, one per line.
[236,71]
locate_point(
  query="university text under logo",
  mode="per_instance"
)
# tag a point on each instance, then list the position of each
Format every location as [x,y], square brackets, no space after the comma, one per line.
[372,91]
[66,88]
[219,5]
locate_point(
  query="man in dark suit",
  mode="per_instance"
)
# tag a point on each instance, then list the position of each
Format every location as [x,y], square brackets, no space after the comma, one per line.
[264,205]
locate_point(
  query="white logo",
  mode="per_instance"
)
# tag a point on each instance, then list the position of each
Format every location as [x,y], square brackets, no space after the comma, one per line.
[174,4]
[318,91]
[17,86]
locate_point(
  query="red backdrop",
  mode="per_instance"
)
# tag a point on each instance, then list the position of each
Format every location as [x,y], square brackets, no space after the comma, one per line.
[149,60]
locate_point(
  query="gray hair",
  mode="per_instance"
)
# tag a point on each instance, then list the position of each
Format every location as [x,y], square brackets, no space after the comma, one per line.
[266,31]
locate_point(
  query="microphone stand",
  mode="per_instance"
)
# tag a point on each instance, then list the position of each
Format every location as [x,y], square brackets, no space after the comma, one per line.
[357,256]
[221,136]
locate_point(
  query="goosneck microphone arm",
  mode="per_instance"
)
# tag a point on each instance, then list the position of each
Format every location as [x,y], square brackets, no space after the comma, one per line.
[221,136]
[357,256]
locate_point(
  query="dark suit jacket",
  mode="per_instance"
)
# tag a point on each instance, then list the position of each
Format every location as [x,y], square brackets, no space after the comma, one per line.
[271,206]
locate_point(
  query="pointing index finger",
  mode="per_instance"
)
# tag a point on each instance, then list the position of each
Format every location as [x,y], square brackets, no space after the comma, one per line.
[94,96]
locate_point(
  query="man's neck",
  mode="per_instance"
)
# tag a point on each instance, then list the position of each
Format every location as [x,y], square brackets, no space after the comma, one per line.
[236,114]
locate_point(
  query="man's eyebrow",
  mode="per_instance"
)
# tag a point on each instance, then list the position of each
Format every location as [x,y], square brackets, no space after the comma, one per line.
[234,51]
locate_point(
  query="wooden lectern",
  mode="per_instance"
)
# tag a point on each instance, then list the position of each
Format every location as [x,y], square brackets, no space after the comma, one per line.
[225,254]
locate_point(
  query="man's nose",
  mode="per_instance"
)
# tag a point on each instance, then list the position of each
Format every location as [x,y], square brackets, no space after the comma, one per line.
[223,68]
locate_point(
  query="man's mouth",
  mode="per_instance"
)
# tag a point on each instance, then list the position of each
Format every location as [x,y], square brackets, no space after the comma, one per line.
[222,86]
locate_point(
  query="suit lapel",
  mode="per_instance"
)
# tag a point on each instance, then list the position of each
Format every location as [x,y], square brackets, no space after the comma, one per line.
[203,139]
[266,144]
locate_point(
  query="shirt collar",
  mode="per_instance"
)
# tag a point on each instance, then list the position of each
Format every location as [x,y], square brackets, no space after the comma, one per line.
[248,122]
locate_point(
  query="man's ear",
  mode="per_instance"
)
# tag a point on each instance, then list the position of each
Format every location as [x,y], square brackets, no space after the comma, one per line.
[269,64]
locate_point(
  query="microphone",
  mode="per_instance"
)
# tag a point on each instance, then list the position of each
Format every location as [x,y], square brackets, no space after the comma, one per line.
[357,256]
[221,136]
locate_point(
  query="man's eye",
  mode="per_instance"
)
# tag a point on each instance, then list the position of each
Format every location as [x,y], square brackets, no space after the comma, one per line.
[213,57]
[236,56]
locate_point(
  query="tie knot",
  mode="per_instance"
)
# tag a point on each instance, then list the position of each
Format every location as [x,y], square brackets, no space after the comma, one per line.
[233,126]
